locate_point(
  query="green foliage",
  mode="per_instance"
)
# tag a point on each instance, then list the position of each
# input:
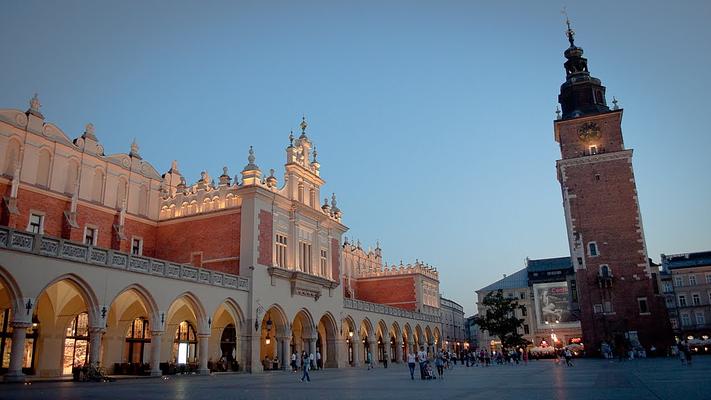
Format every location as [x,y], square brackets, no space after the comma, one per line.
[500,319]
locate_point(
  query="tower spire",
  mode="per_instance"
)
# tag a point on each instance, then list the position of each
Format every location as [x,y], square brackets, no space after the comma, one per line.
[570,33]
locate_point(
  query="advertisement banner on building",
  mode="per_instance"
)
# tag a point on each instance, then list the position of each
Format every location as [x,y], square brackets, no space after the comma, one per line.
[553,305]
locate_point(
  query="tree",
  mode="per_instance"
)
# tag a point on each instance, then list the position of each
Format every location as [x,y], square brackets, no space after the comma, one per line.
[500,319]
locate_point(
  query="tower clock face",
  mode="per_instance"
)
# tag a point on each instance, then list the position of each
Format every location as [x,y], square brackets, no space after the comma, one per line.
[588,131]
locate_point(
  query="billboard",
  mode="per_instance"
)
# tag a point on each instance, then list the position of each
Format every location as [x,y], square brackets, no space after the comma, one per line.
[552,304]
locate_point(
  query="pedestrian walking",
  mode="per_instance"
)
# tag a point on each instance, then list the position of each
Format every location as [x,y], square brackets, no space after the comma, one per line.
[305,366]
[568,357]
[411,359]
[293,361]
[422,359]
[369,360]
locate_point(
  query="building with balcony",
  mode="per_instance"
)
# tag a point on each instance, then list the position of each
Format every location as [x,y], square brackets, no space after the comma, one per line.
[686,285]
[103,260]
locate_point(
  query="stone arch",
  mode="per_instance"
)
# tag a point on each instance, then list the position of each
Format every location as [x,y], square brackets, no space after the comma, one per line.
[396,343]
[303,331]
[275,333]
[437,337]
[367,337]
[419,337]
[11,290]
[67,316]
[226,327]
[184,321]
[193,303]
[132,317]
[327,342]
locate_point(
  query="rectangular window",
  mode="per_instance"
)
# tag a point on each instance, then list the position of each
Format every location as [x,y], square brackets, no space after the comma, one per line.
[692,280]
[324,263]
[305,257]
[708,279]
[668,288]
[700,318]
[526,330]
[593,150]
[522,295]
[607,306]
[574,291]
[678,282]
[685,319]
[137,246]
[682,300]
[642,302]
[280,245]
[90,235]
[670,301]
[524,312]
[592,249]
[696,299]
[36,224]
[674,323]
[597,308]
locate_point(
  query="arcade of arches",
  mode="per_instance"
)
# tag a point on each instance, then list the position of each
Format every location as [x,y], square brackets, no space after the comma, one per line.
[66,328]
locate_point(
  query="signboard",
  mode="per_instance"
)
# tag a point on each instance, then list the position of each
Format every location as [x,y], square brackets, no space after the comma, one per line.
[552,305]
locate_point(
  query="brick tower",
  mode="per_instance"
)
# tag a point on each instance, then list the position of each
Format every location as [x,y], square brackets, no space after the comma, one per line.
[619,299]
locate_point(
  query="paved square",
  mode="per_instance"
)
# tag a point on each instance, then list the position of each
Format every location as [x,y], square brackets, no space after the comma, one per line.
[589,379]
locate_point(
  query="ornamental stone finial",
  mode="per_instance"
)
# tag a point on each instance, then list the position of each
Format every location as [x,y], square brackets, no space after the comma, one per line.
[134,150]
[557,112]
[614,102]
[89,130]
[251,157]
[303,125]
[291,138]
[35,103]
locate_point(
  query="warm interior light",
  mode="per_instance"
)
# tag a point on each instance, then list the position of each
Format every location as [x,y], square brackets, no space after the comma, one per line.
[350,333]
[267,340]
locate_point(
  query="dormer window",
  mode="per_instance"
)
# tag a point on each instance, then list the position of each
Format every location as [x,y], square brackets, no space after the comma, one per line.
[592,249]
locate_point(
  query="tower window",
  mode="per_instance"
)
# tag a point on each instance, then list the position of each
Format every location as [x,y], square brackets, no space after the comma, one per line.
[592,249]
[597,177]
[593,150]
[605,271]
[643,307]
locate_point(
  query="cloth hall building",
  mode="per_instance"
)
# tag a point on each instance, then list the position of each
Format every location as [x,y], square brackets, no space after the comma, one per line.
[105,260]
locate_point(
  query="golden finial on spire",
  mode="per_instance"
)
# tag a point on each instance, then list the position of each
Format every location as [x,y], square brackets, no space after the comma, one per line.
[303,125]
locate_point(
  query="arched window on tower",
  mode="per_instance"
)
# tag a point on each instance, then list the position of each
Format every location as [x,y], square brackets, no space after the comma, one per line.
[592,249]
[43,164]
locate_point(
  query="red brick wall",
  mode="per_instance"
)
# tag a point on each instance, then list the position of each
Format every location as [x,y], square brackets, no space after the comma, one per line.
[215,236]
[146,231]
[4,191]
[335,259]
[604,209]
[100,219]
[265,237]
[393,291]
[52,207]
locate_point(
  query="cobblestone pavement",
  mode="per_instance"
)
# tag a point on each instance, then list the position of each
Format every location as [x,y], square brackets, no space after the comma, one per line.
[589,379]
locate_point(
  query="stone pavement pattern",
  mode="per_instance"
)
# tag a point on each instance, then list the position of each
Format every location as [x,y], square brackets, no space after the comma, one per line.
[589,379]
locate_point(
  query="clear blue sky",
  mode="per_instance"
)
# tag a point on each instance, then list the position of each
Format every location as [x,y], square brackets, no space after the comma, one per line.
[433,120]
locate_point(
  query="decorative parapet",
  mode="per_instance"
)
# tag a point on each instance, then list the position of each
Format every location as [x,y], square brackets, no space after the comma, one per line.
[361,305]
[63,249]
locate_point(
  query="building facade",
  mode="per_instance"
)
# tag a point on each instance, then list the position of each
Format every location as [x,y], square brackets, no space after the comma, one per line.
[686,284]
[453,325]
[546,290]
[614,278]
[105,260]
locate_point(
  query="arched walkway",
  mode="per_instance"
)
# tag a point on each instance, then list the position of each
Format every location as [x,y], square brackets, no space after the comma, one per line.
[226,327]
[186,335]
[275,339]
[327,342]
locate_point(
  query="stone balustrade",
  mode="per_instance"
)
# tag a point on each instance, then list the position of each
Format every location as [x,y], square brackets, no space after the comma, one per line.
[361,305]
[46,246]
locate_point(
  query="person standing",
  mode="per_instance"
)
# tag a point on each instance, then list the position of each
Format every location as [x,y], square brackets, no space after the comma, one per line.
[319,363]
[369,360]
[385,359]
[293,361]
[422,359]
[568,357]
[411,359]
[305,366]
[439,363]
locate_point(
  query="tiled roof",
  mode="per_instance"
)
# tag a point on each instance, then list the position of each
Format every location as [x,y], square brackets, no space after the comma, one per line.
[518,279]
[686,260]
[549,264]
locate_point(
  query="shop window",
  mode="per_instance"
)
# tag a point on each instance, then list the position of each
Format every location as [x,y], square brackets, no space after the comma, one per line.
[137,336]
[76,343]
[185,344]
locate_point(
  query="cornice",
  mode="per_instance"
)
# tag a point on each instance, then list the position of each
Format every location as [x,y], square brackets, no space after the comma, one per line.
[618,155]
